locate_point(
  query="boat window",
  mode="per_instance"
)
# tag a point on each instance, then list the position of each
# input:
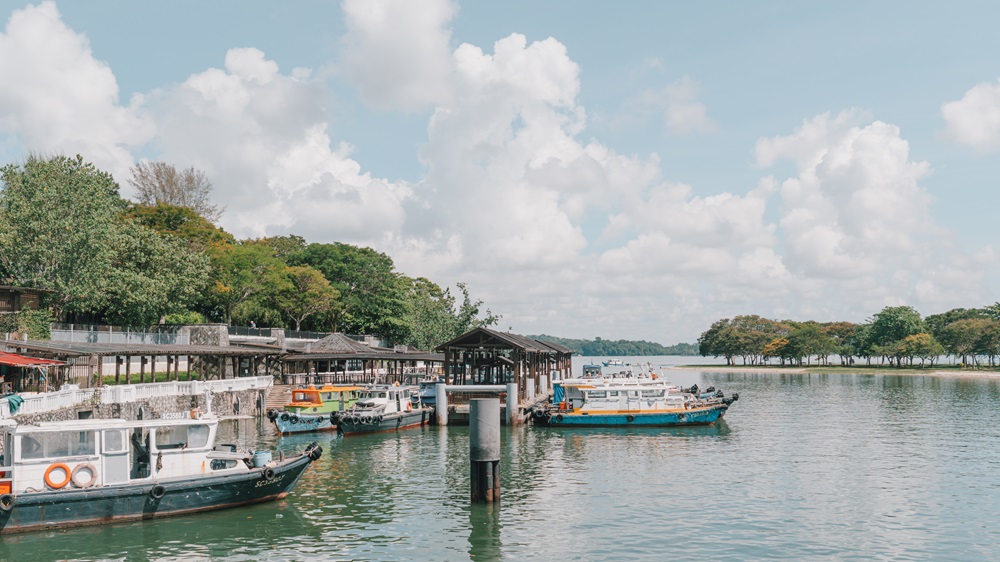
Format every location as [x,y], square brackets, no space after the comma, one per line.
[114,441]
[58,444]
[326,395]
[181,436]
[652,393]
[597,394]
[614,393]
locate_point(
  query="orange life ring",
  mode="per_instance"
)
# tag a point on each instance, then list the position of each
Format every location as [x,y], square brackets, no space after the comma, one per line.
[48,474]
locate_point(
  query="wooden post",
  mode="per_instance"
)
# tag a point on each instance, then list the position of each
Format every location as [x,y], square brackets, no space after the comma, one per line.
[484,449]
[118,369]
[152,369]
[128,369]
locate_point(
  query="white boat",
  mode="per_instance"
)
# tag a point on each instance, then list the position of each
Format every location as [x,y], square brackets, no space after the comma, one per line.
[382,407]
[84,472]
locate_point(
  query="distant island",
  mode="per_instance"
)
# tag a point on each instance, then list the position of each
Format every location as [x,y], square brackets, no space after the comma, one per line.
[614,348]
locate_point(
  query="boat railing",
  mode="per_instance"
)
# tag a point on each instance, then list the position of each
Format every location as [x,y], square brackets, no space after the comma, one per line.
[71,395]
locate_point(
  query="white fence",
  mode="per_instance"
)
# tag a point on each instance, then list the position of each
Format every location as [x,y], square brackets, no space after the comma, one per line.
[120,394]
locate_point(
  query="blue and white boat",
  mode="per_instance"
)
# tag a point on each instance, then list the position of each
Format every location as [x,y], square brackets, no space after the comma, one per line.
[634,401]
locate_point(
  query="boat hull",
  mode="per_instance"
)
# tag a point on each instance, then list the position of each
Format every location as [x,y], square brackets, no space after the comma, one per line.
[134,501]
[349,425]
[701,416]
[303,423]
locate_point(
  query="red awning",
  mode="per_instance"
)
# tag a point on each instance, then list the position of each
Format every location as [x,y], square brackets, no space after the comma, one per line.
[22,361]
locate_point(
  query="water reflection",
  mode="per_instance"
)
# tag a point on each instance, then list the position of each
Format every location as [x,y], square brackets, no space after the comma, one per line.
[484,532]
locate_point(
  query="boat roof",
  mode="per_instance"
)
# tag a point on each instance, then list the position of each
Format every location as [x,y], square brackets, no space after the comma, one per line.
[330,388]
[113,423]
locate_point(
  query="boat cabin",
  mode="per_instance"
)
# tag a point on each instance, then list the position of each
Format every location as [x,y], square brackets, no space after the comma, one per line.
[390,398]
[98,452]
[329,398]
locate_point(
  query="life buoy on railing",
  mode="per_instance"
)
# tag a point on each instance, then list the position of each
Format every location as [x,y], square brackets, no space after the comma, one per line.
[48,475]
[77,481]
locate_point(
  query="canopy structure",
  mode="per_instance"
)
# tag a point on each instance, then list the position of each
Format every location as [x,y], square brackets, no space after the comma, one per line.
[15,360]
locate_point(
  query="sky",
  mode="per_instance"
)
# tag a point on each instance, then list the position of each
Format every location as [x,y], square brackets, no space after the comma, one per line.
[589,169]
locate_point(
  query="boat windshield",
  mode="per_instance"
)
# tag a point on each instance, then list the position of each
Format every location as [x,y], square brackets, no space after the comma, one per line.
[182,436]
[57,444]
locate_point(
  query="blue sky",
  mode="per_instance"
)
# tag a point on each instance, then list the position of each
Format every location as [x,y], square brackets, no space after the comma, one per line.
[633,171]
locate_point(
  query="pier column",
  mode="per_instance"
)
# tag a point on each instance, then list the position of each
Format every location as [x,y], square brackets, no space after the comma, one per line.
[484,449]
[441,404]
[512,403]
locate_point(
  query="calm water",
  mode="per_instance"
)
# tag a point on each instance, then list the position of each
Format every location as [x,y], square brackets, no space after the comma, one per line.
[839,467]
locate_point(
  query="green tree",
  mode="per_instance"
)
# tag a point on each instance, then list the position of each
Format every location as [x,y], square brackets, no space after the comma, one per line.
[922,345]
[61,228]
[374,296]
[181,222]
[304,292]
[57,224]
[891,326]
[241,272]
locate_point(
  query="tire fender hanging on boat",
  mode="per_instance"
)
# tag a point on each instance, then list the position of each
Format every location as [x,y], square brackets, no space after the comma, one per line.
[7,502]
[157,492]
[630,418]
[269,474]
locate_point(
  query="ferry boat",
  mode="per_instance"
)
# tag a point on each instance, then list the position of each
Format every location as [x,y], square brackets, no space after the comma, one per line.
[614,363]
[85,472]
[314,409]
[382,407]
[638,401]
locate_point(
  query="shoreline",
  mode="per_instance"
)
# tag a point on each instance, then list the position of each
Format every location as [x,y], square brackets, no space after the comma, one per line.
[827,370]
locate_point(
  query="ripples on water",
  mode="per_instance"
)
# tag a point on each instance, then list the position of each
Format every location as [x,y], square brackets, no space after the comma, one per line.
[839,467]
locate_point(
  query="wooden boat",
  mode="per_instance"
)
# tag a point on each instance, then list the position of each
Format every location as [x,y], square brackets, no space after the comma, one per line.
[314,409]
[382,407]
[84,472]
[634,401]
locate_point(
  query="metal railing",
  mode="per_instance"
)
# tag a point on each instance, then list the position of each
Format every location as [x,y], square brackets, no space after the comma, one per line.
[120,394]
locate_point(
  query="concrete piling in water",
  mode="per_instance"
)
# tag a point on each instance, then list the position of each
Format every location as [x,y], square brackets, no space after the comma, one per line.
[441,404]
[512,417]
[484,449]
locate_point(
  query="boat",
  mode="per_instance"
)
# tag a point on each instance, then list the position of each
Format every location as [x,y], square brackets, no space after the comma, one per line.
[427,391]
[614,363]
[633,401]
[62,474]
[383,407]
[314,409]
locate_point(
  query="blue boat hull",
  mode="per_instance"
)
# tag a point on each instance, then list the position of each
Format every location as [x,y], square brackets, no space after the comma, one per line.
[90,506]
[701,416]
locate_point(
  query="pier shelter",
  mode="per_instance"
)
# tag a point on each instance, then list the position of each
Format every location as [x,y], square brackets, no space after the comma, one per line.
[87,363]
[484,356]
[340,359]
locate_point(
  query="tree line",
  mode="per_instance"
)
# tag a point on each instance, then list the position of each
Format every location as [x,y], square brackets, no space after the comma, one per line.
[65,228]
[896,335]
[618,348]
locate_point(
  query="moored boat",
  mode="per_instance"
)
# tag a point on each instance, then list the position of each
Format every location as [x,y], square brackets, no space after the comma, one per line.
[382,407]
[427,391]
[86,472]
[314,409]
[631,401]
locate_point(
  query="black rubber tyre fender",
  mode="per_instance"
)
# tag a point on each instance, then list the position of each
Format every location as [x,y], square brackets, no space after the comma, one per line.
[7,502]
[157,492]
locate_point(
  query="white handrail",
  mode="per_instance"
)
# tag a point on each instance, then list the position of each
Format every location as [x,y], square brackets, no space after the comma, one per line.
[120,394]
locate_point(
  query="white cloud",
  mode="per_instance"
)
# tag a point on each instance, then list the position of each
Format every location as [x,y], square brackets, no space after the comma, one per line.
[56,98]
[397,52]
[974,120]
[677,103]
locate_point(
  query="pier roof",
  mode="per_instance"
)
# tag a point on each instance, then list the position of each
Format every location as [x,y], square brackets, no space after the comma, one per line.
[78,349]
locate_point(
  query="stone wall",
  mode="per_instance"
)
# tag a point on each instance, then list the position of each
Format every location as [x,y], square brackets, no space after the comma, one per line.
[226,403]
